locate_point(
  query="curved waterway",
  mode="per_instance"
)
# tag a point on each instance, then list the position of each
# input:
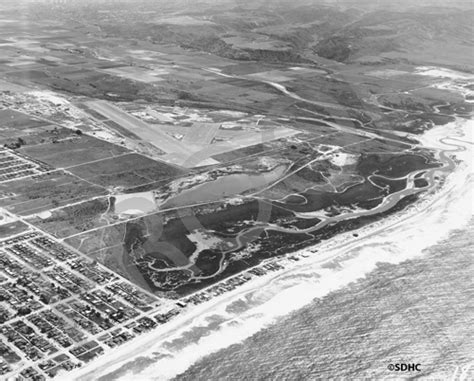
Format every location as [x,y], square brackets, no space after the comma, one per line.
[239,314]
[430,175]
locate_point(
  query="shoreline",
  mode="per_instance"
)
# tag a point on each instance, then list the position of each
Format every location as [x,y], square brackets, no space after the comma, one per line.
[335,249]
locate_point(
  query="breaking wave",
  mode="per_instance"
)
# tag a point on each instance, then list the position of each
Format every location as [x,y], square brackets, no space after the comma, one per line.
[244,312]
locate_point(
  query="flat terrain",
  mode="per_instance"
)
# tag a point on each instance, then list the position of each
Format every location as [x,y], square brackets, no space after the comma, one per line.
[152,150]
[41,193]
[75,151]
[12,228]
[193,146]
[126,171]
[201,133]
[138,127]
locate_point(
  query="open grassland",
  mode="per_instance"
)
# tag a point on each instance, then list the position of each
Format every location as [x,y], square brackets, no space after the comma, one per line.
[70,220]
[41,193]
[15,120]
[218,104]
[12,228]
[126,171]
[37,135]
[71,152]
[14,125]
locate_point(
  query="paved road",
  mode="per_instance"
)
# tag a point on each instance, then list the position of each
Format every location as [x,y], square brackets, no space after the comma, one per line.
[148,133]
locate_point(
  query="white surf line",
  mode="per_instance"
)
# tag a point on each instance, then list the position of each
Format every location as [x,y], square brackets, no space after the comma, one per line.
[426,207]
[336,248]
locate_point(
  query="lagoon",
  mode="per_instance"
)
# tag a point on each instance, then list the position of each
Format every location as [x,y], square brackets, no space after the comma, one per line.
[226,186]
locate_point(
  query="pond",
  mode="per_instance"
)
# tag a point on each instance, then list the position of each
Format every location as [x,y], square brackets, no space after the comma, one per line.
[226,186]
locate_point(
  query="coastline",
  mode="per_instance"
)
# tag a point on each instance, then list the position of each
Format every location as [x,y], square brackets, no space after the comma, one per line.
[338,266]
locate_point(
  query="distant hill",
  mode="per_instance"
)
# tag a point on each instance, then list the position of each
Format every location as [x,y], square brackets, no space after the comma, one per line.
[427,35]
[292,31]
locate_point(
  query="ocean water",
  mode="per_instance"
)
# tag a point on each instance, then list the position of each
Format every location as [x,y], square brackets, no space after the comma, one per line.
[418,311]
[402,292]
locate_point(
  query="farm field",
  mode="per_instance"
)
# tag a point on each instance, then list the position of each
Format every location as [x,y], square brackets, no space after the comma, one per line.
[70,220]
[13,120]
[156,155]
[309,160]
[179,154]
[43,192]
[12,228]
[76,150]
[126,171]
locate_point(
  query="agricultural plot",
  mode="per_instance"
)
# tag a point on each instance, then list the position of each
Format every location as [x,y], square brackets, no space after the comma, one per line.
[77,150]
[133,73]
[178,147]
[12,121]
[310,134]
[236,91]
[12,228]
[339,139]
[126,171]
[37,135]
[43,192]
[74,219]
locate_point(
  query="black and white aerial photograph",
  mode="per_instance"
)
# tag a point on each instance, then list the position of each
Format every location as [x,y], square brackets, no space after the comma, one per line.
[236,190]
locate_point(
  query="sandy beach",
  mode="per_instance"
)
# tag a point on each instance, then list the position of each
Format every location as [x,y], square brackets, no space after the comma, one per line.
[337,263]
